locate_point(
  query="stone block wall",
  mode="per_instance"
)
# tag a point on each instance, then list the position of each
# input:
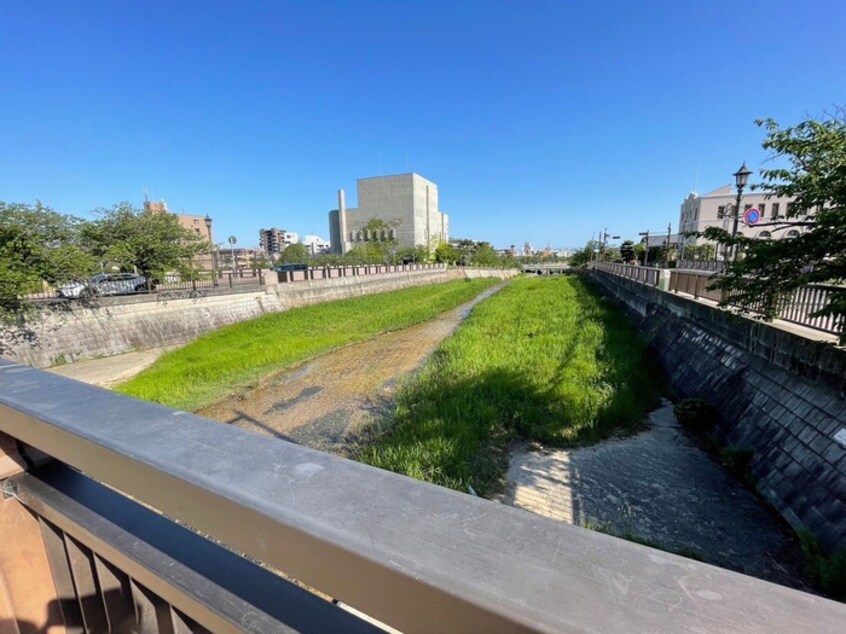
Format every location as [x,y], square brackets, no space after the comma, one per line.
[124,324]
[779,394]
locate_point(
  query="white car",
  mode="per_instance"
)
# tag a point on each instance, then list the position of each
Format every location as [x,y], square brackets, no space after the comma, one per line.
[105,284]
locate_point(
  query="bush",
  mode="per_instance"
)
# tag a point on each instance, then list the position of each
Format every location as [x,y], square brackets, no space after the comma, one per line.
[828,572]
[737,461]
[697,415]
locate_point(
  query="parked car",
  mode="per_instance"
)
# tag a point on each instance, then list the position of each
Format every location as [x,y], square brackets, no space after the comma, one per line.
[105,284]
[281,268]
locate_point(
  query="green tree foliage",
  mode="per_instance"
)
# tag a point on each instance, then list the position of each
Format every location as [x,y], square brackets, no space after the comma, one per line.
[812,156]
[700,252]
[149,243]
[445,253]
[581,257]
[38,247]
[294,254]
[627,251]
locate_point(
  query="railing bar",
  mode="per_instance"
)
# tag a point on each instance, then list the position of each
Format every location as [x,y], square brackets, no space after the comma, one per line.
[185,625]
[146,611]
[117,595]
[81,561]
[54,544]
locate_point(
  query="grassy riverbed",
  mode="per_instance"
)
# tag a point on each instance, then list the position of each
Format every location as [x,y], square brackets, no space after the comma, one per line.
[544,359]
[229,360]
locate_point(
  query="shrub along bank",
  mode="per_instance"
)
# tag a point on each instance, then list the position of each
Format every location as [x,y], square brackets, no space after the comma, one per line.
[546,360]
[229,360]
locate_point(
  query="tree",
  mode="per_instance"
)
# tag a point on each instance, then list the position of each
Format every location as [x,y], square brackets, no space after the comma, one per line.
[445,253]
[149,243]
[37,246]
[582,257]
[293,254]
[627,251]
[813,173]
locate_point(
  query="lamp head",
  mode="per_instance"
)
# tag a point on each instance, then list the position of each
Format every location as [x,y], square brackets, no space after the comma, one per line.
[741,176]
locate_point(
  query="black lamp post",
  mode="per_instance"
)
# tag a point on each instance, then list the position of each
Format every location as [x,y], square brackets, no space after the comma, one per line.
[213,254]
[741,177]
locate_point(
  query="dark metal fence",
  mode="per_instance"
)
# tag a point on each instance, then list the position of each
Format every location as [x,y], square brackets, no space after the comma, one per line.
[796,308]
[700,265]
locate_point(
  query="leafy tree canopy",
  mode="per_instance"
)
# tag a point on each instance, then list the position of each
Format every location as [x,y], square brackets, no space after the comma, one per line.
[37,246]
[294,254]
[812,158]
[149,243]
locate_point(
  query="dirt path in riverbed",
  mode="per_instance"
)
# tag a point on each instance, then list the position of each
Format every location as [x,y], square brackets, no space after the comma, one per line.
[325,401]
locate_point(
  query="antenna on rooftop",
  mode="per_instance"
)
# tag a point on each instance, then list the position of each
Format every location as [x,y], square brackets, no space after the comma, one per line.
[146,194]
[696,181]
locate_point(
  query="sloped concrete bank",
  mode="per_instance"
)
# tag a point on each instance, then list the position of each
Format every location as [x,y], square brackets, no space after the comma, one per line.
[124,324]
[779,394]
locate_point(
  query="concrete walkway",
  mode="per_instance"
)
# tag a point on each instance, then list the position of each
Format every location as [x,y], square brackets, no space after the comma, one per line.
[658,487]
[109,371]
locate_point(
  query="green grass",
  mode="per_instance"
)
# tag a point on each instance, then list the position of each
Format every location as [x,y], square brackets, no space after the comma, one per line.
[546,360]
[235,357]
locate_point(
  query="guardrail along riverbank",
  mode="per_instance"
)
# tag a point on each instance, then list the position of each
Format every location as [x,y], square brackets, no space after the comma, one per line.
[72,330]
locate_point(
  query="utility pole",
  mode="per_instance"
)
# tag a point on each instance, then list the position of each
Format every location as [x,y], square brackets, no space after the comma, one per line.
[667,251]
[646,247]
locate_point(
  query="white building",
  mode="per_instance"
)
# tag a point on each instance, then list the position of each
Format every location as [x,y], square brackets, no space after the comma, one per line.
[716,209]
[316,245]
[407,204]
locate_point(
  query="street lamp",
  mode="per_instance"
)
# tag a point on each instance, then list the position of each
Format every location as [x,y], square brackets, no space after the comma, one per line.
[213,254]
[741,177]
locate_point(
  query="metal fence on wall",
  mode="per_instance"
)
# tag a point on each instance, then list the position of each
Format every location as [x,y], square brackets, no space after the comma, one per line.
[796,308]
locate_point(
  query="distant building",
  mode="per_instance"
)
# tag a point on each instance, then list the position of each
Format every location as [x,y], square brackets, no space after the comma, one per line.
[316,245]
[240,258]
[407,204]
[716,209]
[273,241]
[197,224]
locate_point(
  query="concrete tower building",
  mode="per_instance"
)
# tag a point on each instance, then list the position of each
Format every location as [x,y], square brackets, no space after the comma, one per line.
[406,203]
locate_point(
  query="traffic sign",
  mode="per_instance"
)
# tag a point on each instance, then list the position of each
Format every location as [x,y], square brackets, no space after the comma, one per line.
[752,216]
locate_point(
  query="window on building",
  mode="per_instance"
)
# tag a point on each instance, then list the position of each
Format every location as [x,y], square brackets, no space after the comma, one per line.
[775,210]
[197,230]
[196,222]
[792,233]
[765,235]
[721,211]
[790,207]
[747,207]
[762,208]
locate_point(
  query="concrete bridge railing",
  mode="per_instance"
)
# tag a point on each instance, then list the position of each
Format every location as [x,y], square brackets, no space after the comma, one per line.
[98,539]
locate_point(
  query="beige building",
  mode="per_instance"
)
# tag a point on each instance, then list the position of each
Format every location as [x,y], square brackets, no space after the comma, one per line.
[197,224]
[716,209]
[406,203]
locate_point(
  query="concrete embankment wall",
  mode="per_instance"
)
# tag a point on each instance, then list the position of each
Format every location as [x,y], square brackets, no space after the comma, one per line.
[123,324]
[779,394]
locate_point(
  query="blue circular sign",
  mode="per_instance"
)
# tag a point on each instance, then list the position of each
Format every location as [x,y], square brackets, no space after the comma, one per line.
[752,216]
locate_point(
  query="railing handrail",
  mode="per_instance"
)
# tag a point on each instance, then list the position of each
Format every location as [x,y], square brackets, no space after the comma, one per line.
[413,555]
[786,309]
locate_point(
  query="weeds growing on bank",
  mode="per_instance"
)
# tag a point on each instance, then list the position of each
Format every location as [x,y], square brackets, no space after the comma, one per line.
[233,358]
[544,359]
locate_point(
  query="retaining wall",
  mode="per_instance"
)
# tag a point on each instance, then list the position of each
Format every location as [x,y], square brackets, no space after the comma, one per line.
[779,394]
[115,325]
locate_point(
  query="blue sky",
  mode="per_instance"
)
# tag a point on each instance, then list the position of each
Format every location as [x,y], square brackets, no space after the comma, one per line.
[539,121]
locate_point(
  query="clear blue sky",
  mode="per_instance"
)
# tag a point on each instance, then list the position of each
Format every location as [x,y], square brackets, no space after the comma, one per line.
[539,121]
